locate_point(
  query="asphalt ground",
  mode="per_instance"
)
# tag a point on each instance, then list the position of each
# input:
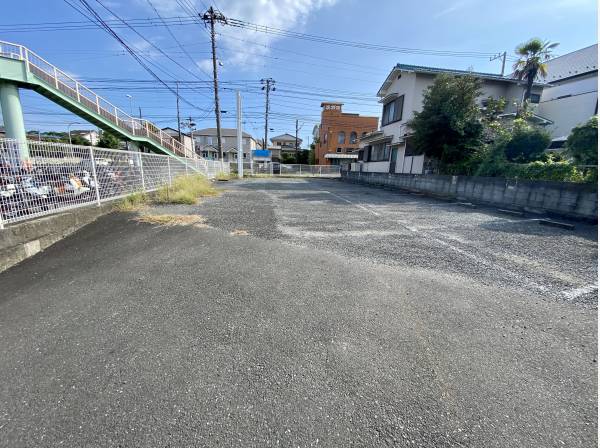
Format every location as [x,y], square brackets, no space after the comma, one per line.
[305,313]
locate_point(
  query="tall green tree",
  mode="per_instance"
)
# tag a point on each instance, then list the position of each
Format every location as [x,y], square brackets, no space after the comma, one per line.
[449,127]
[107,140]
[533,55]
[582,143]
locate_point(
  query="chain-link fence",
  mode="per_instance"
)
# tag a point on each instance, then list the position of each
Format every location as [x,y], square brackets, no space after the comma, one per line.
[286,169]
[59,176]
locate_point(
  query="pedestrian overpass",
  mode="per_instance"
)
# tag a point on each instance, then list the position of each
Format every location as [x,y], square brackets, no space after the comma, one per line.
[22,68]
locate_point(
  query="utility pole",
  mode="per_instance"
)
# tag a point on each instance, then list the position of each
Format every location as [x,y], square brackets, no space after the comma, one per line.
[178,118]
[296,142]
[211,16]
[240,148]
[498,56]
[268,85]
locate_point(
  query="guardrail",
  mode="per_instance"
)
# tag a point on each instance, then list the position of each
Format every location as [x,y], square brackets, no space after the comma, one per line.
[60,176]
[76,91]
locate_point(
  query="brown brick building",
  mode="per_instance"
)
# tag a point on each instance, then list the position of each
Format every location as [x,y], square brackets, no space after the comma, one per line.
[339,134]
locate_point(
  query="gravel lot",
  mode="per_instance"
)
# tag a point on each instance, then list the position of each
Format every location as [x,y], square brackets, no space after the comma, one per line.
[307,313]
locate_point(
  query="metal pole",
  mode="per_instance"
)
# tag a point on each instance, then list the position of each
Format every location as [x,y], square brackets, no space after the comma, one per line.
[178,118]
[95,176]
[169,168]
[240,163]
[142,171]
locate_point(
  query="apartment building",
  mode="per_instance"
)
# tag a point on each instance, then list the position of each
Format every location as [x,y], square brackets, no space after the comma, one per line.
[339,134]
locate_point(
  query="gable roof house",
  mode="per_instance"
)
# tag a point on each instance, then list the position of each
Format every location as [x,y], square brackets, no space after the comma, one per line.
[206,145]
[388,149]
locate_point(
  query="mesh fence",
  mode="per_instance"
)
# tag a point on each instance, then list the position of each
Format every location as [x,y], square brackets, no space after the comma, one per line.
[59,176]
[284,169]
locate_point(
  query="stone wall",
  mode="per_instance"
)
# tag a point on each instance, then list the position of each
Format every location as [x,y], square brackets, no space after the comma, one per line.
[565,199]
[24,239]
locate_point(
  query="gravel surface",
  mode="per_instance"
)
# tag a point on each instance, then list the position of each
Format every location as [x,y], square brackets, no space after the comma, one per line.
[307,313]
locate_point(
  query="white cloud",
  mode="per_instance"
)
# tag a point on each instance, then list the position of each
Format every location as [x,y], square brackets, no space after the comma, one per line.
[452,8]
[283,14]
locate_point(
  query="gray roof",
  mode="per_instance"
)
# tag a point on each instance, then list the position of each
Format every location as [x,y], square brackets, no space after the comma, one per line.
[572,64]
[225,132]
[285,137]
[438,70]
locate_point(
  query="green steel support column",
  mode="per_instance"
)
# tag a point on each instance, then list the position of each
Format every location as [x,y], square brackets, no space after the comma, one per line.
[10,103]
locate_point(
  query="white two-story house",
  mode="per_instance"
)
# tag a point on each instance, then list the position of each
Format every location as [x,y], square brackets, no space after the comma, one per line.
[389,148]
[206,144]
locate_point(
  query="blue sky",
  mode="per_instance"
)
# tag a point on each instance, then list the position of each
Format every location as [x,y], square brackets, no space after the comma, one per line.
[306,72]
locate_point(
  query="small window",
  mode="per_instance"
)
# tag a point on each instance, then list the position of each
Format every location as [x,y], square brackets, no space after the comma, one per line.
[353,137]
[338,150]
[392,111]
[534,98]
[349,150]
[341,138]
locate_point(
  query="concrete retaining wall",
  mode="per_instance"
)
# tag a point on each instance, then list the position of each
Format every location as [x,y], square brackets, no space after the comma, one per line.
[23,240]
[560,198]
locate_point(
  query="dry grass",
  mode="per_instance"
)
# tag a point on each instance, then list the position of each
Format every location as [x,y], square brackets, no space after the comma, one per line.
[173,220]
[133,202]
[185,190]
[239,232]
[222,176]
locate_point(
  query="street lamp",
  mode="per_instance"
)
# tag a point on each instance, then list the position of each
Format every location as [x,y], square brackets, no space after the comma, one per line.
[69,131]
[130,104]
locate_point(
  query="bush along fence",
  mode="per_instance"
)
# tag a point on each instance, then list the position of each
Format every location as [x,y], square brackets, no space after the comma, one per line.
[567,199]
[59,176]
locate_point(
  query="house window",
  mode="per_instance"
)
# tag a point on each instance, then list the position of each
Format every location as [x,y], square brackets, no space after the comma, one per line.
[325,138]
[341,138]
[353,137]
[392,111]
[338,150]
[380,152]
[349,149]
[534,98]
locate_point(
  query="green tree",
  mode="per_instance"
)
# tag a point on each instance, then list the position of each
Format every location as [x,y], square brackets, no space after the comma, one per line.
[527,143]
[533,55]
[302,157]
[582,144]
[107,140]
[449,127]
[311,154]
[79,140]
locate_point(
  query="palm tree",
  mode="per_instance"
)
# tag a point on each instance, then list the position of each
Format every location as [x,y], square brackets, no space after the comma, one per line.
[533,55]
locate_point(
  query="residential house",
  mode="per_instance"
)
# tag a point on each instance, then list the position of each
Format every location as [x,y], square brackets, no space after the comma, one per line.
[571,96]
[186,139]
[285,144]
[91,135]
[206,144]
[401,95]
[339,134]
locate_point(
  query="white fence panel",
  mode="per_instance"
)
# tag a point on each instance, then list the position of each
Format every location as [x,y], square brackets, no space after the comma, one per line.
[59,176]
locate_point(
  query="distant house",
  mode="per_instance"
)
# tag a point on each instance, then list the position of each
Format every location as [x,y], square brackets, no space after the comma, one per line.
[185,139]
[206,144]
[285,144]
[571,97]
[389,148]
[90,135]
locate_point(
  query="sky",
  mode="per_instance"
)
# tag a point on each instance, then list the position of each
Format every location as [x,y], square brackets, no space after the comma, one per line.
[306,71]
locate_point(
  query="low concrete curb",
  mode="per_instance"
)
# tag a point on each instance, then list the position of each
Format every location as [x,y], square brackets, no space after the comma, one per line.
[24,239]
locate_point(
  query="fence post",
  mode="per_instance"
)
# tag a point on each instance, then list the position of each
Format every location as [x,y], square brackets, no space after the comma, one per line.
[320,173]
[169,168]
[1,222]
[186,167]
[300,168]
[95,176]
[142,171]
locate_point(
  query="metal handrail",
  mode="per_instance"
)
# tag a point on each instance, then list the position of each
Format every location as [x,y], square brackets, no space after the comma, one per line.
[77,91]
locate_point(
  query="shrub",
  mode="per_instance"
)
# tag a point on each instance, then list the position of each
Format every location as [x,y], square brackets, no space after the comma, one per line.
[133,202]
[527,143]
[582,144]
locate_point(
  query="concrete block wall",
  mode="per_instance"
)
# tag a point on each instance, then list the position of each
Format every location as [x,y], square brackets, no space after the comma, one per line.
[566,199]
[24,239]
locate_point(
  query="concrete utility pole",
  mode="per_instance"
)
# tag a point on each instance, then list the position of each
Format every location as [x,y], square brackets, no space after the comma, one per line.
[296,142]
[498,56]
[240,148]
[268,85]
[211,16]
[178,118]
